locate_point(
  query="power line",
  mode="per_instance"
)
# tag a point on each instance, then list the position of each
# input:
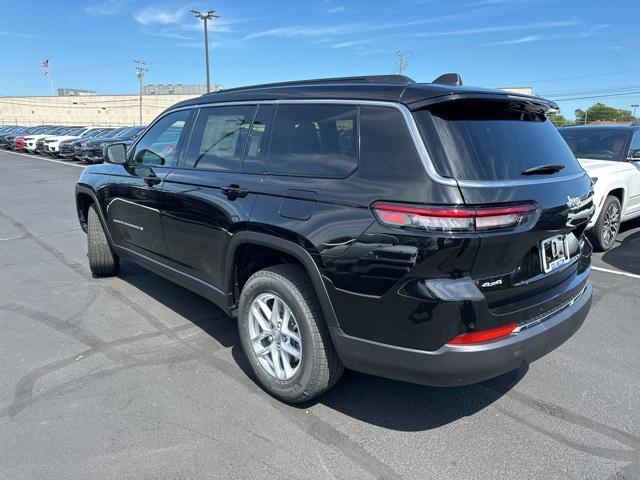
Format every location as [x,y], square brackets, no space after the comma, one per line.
[621,95]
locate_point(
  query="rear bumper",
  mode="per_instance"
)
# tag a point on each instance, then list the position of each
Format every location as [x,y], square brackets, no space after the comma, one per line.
[453,365]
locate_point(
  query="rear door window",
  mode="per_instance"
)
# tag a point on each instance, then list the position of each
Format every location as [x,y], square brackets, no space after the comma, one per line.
[493,140]
[219,137]
[314,140]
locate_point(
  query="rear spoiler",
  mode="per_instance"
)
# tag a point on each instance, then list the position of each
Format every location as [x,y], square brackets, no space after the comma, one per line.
[525,102]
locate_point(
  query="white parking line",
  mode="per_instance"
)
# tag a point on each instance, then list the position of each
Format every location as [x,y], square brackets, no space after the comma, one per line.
[47,159]
[600,269]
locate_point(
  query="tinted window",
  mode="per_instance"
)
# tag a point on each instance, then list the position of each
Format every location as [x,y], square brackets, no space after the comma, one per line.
[597,143]
[219,137]
[490,140]
[255,156]
[159,144]
[314,140]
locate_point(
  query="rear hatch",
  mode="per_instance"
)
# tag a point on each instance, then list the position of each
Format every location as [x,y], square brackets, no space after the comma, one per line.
[505,153]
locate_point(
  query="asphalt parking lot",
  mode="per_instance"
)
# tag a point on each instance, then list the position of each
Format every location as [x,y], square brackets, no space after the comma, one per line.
[135,377]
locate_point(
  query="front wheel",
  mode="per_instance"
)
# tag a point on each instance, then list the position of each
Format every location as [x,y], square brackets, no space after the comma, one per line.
[102,261]
[284,335]
[607,227]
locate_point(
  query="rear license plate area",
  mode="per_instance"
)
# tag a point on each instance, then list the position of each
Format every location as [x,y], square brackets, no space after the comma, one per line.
[554,252]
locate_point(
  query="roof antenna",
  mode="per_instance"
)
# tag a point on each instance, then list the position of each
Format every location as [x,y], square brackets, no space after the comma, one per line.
[453,79]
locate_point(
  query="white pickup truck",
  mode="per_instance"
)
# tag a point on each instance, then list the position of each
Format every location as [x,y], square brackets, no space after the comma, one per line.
[611,156]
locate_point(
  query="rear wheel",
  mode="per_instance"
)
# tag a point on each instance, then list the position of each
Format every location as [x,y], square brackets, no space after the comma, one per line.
[102,261]
[284,335]
[606,229]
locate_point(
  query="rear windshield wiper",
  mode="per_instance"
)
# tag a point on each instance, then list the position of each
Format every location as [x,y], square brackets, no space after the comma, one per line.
[543,169]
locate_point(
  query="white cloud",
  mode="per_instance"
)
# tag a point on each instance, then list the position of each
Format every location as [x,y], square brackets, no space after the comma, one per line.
[106,8]
[527,39]
[502,28]
[159,16]
[336,9]
[314,31]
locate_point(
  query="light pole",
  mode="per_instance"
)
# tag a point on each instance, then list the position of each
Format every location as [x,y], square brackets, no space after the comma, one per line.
[206,17]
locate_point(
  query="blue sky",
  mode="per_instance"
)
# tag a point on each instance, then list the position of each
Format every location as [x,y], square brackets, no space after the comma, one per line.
[559,47]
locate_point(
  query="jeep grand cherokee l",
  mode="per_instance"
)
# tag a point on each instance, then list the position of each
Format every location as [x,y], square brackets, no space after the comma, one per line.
[432,233]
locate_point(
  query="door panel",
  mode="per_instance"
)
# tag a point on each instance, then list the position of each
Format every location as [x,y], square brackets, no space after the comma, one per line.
[133,208]
[199,219]
[134,192]
[209,198]
[634,178]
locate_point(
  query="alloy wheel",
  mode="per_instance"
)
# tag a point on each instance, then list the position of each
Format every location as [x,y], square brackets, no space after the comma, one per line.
[275,336]
[611,224]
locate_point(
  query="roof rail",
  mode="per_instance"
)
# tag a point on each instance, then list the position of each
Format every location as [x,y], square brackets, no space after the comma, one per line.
[401,79]
[453,79]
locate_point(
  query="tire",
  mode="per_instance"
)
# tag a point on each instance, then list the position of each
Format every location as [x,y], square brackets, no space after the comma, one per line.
[102,261]
[607,226]
[319,367]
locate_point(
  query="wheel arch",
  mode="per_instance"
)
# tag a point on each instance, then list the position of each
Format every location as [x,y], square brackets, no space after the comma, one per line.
[85,197]
[287,248]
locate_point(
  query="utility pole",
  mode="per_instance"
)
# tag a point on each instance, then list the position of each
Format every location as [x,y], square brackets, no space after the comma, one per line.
[211,14]
[635,105]
[140,70]
[401,63]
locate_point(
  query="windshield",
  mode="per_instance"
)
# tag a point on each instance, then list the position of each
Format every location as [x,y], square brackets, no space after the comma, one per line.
[596,143]
[130,133]
[115,133]
[76,131]
[493,140]
[90,133]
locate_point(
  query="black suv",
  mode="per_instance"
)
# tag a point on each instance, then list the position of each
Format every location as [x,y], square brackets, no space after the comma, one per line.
[432,233]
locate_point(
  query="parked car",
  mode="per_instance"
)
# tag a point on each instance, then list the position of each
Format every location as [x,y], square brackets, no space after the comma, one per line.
[93,150]
[6,139]
[413,231]
[52,143]
[611,156]
[81,152]
[34,136]
[66,147]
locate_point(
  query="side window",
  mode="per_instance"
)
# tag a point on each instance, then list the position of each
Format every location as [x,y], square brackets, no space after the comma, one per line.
[159,144]
[255,157]
[314,140]
[219,137]
[635,146]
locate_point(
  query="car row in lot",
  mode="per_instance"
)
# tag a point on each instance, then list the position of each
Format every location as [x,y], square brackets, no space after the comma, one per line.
[68,142]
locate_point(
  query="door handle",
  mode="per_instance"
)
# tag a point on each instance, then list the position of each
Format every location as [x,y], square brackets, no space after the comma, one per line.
[234,191]
[152,180]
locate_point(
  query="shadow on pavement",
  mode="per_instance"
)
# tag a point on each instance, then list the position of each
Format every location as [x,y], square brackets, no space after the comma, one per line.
[626,255]
[377,401]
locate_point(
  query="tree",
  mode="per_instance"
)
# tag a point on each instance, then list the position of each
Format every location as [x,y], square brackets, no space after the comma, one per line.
[558,120]
[603,113]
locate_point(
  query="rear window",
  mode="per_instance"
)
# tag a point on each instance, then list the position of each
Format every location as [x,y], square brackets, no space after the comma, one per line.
[314,140]
[601,143]
[492,140]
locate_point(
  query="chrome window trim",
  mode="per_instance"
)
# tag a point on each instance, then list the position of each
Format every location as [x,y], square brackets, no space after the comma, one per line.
[410,122]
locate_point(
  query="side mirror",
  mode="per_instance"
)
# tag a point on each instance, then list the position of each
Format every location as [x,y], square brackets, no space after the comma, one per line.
[635,154]
[116,153]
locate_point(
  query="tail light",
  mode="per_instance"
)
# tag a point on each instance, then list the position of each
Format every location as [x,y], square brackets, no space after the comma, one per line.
[446,219]
[483,335]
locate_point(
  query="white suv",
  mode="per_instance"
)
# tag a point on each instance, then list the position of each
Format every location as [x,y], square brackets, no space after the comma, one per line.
[611,156]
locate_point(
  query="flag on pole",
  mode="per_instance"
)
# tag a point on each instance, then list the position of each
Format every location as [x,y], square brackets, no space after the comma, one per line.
[45,63]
